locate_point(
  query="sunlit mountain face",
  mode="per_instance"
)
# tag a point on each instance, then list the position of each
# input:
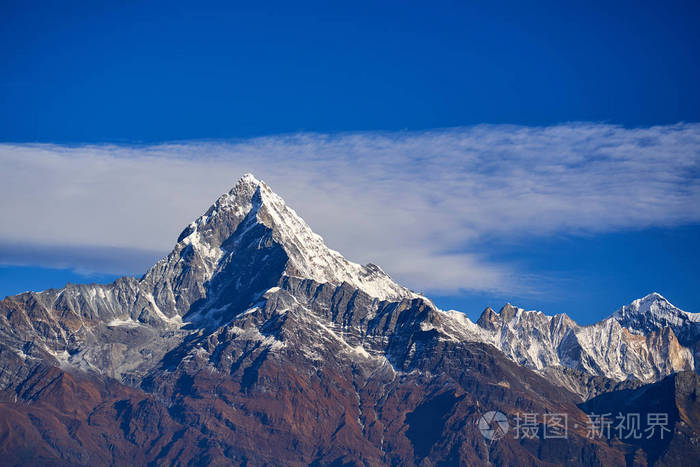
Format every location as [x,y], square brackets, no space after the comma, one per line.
[476,242]
[252,343]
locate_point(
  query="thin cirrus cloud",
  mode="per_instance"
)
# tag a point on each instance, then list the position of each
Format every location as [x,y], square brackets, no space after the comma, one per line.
[417,203]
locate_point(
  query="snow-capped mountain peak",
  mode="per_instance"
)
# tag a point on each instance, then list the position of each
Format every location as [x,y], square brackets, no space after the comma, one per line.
[652,302]
[309,257]
[249,279]
[655,305]
[654,309]
[251,222]
[653,313]
[643,340]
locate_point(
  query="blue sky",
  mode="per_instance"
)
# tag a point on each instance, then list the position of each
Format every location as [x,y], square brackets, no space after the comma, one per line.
[603,210]
[154,71]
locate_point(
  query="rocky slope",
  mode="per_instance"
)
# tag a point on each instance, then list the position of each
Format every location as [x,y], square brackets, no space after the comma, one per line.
[637,342]
[222,263]
[252,343]
[675,396]
[654,313]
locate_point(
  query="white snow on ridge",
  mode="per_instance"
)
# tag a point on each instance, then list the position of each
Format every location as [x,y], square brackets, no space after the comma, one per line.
[312,259]
[656,308]
[607,348]
[309,257]
[176,320]
[128,322]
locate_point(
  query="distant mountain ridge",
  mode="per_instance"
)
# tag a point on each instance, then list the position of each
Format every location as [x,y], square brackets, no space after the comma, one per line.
[253,343]
[638,341]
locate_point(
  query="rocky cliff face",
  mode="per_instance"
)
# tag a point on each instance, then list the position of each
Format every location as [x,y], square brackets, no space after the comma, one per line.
[637,342]
[654,313]
[223,262]
[252,343]
[676,397]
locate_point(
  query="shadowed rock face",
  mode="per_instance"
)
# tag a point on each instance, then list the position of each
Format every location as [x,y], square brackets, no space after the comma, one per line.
[675,396]
[252,343]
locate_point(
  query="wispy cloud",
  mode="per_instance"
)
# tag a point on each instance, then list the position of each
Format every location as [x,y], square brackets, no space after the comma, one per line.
[416,203]
[85,259]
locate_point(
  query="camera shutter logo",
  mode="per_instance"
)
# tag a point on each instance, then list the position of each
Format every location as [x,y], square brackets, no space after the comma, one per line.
[493,425]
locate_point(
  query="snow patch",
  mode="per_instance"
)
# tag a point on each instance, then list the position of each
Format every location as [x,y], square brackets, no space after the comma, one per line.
[128,322]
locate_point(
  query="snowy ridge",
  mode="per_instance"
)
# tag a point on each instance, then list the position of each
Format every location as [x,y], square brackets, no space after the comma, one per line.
[253,201]
[310,258]
[251,270]
[608,348]
[655,312]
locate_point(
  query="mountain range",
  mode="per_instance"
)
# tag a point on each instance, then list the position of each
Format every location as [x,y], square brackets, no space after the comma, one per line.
[252,343]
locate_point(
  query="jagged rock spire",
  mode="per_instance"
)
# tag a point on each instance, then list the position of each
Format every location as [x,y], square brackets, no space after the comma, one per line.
[233,230]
